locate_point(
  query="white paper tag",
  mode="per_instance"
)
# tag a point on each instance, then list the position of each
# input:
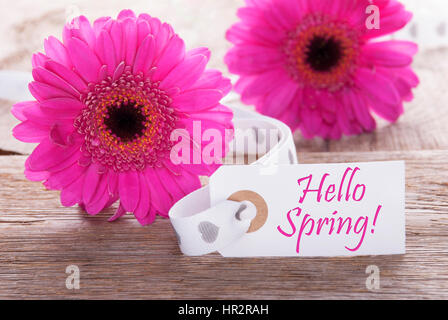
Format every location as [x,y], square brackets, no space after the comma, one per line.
[319,209]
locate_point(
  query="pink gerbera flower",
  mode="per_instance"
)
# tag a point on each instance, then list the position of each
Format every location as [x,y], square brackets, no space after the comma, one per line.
[107,100]
[314,65]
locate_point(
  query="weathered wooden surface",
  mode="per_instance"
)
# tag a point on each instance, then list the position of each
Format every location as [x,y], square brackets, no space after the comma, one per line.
[39,239]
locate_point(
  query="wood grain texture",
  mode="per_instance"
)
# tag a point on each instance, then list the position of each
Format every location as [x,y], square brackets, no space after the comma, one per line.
[39,238]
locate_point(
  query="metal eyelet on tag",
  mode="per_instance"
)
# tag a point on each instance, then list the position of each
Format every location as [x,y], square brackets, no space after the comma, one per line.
[259,203]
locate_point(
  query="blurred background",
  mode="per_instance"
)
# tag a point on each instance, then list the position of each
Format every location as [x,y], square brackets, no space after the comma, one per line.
[25,23]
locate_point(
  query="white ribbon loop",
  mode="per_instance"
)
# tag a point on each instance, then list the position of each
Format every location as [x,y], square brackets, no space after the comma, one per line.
[212,229]
[202,228]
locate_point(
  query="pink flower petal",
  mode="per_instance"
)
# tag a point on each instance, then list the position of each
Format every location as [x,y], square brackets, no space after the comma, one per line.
[144,213]
[130,34]
[72,194]
[283,14]
[393,18]
[262,84]
[361,110]
[170,186]
[161,200]
[240,33]
[201,50]
[28,131]
[251,15]
[56,51]
[38,60]
[67,162]
[187,183]
[112,184]
[17,109]
[38,116]
[253,59]
[119,70]
[143,30]
[84,60]
[100,24]
[86,31]
[42,91]
[116,33]
[126,14]
[47,155]
[92,178]
[35,176]
[154,23]
[43,75]
[129,189]
[387,111]
[63,106]
[100,201]
[173,54]
[278,101]
[196,100]
[145,55]
[377,86]
[343,120]
[106,52]
[185,74]
[213,79]
[68,75]
[60,135]
[61,179]
[162,36]
[118,214]
[390,53]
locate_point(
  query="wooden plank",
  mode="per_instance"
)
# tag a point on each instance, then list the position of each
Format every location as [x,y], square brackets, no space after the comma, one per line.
[39,238]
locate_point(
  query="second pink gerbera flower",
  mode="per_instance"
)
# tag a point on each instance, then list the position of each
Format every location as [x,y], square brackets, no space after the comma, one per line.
[107,101]
[313,64]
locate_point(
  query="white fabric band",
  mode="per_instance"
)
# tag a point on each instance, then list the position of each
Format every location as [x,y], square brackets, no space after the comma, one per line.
[202,229]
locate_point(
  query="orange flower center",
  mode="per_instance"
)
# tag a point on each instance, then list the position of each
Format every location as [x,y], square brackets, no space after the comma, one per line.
[127,122]
[322,53]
